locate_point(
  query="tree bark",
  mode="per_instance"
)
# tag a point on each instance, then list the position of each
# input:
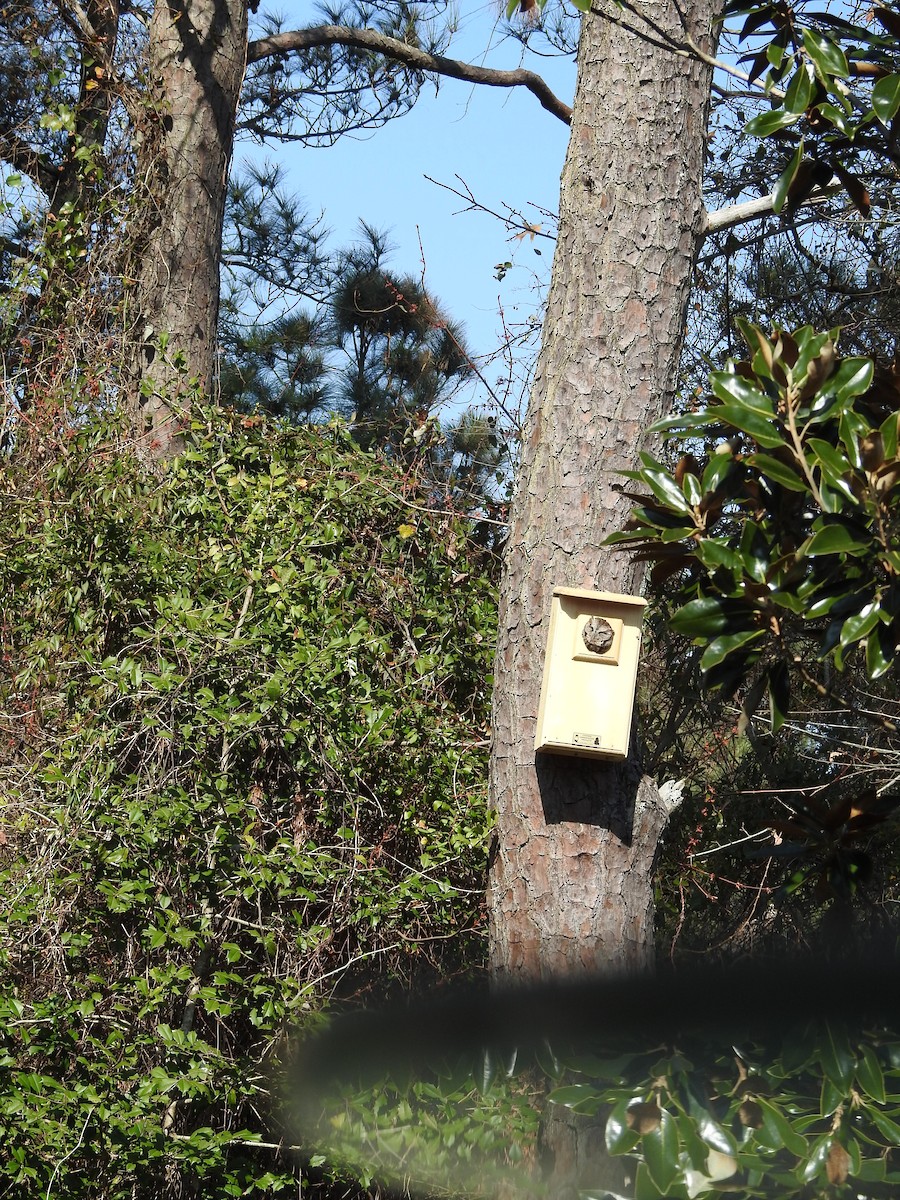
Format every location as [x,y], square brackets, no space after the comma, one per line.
[197,55]
[571,885]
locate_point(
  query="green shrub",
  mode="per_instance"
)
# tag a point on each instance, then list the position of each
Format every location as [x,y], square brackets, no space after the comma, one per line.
[243,722]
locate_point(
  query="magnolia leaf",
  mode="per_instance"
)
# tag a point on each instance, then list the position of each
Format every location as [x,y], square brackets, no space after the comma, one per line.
[734,389]
[720,648]
[661,1152]
[860,624]
[783,184]
[778,1123]
[870,1076]
[770,122]
[779,694]
[749,420]
[832,539]
[837,118]
[667,491]
[780,472]
[829,59]
[886,98]
[799,92]
[879,653]
[702,618]
[837,1058]
[620,1138]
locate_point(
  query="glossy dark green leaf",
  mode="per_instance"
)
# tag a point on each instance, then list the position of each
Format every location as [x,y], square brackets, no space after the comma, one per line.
[761,428]
[705,617]
[684,422]
[690,485]
[836,1056]
[660,1149]
[886,98]
[715,552]
[828,57]
[734,389]
[799,94]
[644,1187]
[858,625]
[720,463]
[779,472]
[836,464]
[721,647]
[889,438]
[886,1126]
[779,692]
[580,1097]
[620,1138]
[833,539]
[786,1134]
[852,378]
[870,1076]
[770,122]
[879,653]
[838,118]
[713,1133]
[667,491]
[756,554]
[814,1165]
[789,174]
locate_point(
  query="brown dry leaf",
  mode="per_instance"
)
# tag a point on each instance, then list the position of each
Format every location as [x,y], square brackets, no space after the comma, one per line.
[838,1165]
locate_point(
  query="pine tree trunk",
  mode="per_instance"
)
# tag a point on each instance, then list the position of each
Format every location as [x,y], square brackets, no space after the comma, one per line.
[197,55]
[571,885]
[571,881]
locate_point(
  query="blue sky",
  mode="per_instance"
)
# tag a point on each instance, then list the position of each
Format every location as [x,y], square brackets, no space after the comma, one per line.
[501,142]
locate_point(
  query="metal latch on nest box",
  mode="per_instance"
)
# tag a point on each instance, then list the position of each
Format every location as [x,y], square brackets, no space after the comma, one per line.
[590,672]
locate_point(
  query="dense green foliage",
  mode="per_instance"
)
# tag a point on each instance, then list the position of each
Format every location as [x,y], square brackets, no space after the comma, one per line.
[244,705]
[812,1114]
[781,528]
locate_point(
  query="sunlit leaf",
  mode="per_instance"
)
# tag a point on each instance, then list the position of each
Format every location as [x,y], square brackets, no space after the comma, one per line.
[886,98]
[770,122]
[720,648]
[833,539]
[828,57]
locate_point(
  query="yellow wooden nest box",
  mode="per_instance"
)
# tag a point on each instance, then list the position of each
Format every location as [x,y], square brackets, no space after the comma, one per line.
[590,672]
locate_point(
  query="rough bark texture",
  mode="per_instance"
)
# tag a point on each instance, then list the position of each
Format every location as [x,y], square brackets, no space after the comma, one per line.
[197,52]
[571,885]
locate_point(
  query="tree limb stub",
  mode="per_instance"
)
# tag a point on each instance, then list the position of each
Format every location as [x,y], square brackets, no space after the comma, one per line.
[750,210]
[410,56]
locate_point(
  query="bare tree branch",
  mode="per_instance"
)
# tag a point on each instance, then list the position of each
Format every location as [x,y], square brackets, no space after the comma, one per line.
[410,56]
[750,210]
